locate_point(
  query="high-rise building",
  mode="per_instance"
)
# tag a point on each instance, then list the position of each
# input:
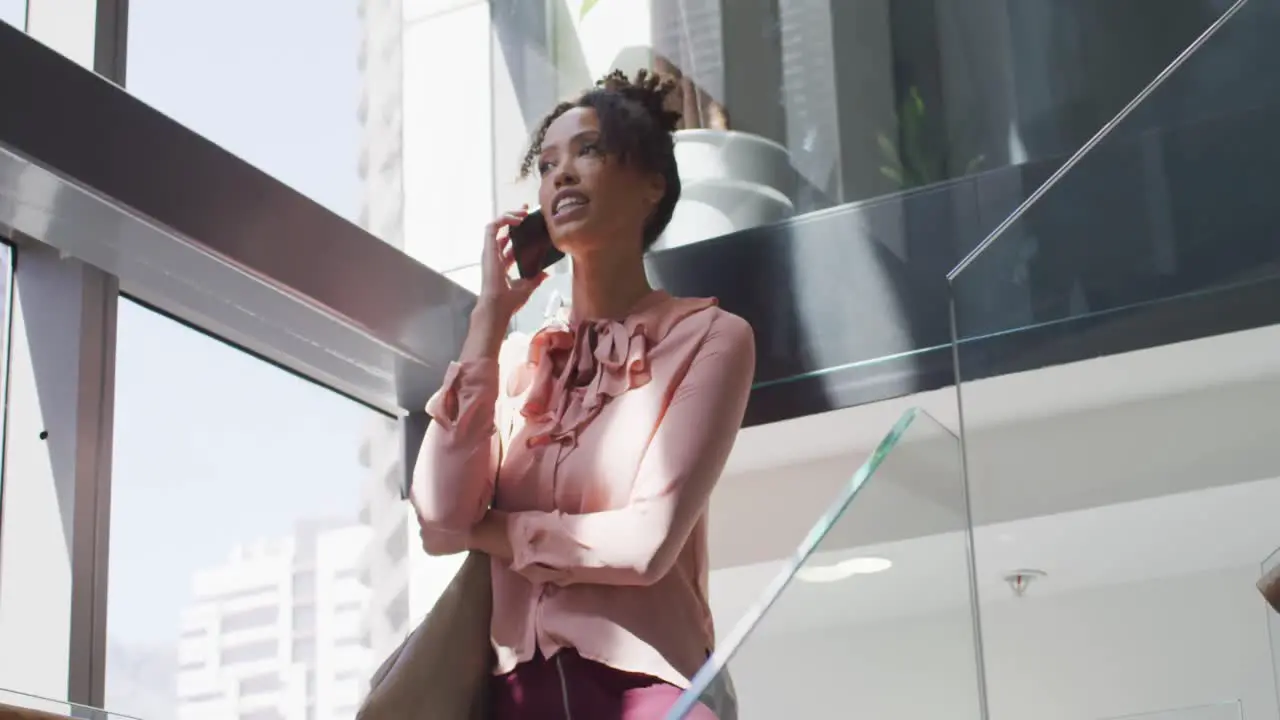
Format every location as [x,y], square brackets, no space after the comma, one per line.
[384,564]
[276,632]
[399,84]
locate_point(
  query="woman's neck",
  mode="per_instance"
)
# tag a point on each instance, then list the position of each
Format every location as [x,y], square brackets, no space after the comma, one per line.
[608,286]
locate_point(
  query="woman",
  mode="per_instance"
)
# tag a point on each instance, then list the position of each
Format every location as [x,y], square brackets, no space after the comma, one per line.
[583,459]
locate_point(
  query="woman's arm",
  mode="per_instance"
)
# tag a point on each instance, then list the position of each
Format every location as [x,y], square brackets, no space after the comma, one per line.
[458,460]
[638,544]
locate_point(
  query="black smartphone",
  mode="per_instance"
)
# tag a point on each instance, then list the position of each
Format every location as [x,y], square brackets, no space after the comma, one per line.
[531,245]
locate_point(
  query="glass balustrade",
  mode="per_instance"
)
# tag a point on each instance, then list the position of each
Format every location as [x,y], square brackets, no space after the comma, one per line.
[1118,368]
[872,613]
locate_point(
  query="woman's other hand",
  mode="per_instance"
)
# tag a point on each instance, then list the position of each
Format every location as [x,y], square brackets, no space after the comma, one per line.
[500,296]
[438,542]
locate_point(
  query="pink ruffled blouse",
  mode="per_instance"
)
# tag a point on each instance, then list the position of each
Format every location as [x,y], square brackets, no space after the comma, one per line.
[603,440]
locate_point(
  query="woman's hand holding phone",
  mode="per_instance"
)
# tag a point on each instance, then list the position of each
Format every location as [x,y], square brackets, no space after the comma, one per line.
[500,296]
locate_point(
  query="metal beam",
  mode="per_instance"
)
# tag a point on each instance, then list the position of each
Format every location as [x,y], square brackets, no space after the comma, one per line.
[60,413]
[208,238]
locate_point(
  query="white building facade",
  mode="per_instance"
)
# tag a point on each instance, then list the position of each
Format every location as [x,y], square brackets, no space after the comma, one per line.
[277,631]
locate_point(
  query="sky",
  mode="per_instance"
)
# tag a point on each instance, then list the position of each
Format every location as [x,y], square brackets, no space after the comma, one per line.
[212,446]
[13,12]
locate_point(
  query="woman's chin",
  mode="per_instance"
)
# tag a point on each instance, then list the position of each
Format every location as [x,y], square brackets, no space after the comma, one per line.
[571,235]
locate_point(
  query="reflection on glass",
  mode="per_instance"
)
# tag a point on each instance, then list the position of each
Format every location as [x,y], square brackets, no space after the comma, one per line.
[799,105]
[24,701]
[14,12]
[1175,201]
[1218,711]
[873,605]
[254,554]
[284,85]
[848,154]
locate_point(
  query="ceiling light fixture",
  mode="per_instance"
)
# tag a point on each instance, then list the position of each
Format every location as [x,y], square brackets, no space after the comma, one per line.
[843,569]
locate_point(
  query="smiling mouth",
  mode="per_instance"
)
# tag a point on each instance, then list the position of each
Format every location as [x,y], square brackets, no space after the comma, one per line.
[568,204]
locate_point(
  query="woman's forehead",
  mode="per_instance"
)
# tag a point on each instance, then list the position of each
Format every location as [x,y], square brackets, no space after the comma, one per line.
[572,123]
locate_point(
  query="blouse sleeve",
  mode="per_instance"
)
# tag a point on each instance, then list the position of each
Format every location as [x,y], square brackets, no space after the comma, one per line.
[457,463]
[639,543]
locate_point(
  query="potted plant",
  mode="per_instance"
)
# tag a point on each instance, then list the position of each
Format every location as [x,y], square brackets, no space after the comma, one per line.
[911,159]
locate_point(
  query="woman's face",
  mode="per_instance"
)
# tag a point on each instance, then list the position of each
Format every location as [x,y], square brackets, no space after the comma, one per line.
[592,201]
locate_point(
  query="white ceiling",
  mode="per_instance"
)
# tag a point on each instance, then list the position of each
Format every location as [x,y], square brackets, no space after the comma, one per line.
[1117,469]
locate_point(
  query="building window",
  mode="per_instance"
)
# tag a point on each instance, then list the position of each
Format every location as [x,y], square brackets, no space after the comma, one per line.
[271,462]
[396,546]
[260,684]
[250,619]
[350,641]
[304,620]
[304,587]
[249,653]
[304,650]
[397,612]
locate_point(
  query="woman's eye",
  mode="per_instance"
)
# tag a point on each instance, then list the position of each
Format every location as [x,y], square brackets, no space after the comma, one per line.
[544,168]
[590,149]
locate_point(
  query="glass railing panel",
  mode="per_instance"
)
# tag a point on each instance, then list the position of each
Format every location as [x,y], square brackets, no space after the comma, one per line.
[871,609]
[34,707]
[1217,711]
[1118,365]
[1175,201]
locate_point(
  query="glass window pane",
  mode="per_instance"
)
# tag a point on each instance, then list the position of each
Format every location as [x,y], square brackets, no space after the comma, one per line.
[242,531]
[800,105]
[281,84]
[448,141]
[14,12]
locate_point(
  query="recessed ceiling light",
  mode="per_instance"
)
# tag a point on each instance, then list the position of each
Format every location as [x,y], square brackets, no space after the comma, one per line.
[843,569]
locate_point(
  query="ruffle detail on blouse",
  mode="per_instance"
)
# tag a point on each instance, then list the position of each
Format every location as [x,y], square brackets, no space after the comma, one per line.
[610,356]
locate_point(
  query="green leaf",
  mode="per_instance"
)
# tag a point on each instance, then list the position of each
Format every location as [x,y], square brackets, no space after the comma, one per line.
[975,163]
[888,148]
[917,102]
[586,8]
[892,173]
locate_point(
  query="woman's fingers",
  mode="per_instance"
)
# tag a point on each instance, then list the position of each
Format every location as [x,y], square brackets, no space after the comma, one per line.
[507,219]
[498,256]
[497,241]
[526,286]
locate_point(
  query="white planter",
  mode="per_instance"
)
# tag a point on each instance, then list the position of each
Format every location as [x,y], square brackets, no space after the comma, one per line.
[730,181]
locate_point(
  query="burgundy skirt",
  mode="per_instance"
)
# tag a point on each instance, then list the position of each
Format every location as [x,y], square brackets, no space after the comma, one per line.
[571,687]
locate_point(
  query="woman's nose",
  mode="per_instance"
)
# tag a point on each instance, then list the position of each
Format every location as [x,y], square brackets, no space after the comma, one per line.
[566,175]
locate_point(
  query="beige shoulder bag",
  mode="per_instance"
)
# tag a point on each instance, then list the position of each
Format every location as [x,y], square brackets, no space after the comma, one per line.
[441,671]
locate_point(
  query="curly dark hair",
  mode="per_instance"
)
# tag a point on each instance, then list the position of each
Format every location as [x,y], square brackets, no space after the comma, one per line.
[636,126]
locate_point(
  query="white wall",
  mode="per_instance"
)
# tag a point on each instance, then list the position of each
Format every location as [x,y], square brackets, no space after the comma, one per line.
[1101,653]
